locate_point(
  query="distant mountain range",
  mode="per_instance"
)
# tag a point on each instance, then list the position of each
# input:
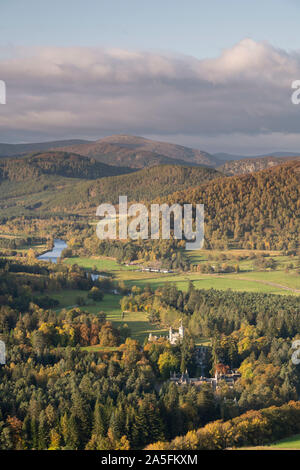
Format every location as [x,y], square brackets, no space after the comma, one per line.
[138,152]
[12,150]
[120,150]
[126,151]
[230,156]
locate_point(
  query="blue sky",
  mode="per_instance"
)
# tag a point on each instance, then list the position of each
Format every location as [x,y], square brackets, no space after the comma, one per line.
[213,75]
[196,27]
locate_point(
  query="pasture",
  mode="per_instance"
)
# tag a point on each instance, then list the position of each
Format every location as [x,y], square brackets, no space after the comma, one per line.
[137,322]
[278,281]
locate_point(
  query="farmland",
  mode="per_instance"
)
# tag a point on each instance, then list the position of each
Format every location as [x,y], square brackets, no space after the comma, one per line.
[249,279]
[137,322]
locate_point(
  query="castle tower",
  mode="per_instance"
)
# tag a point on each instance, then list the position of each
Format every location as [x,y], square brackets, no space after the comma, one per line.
[181,330]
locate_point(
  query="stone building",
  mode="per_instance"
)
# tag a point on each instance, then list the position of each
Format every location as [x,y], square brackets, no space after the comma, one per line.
[175,338]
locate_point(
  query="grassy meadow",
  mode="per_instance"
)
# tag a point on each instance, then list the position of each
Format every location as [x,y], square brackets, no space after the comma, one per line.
[137,321]
[292,443]
[279,281]
[289,443]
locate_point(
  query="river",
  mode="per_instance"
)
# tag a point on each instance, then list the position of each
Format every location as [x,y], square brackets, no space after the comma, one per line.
[54,254]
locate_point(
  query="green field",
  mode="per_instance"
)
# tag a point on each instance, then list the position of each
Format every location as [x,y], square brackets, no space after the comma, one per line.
[102,264]
[288,443]
[271,282]
[206,281]
[278,281]
[137,321]
[290,279]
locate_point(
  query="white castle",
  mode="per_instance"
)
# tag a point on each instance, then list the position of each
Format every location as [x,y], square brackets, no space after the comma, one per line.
[173,337]
[176,337]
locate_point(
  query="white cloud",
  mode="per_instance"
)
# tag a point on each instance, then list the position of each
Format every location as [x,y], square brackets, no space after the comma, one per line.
[62,92]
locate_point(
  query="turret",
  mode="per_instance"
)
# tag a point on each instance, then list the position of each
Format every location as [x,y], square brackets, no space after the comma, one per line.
[181,330]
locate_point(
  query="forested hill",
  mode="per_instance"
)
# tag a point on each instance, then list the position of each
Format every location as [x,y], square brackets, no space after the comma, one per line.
[9,150]
[56,163]
[149,183]
[258,210]
[49,193]
[138,152]
[119,150]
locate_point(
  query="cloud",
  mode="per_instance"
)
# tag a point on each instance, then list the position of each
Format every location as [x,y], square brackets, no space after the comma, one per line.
[67,92]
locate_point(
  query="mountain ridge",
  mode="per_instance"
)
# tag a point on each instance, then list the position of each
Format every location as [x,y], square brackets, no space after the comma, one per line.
[134,151]
[138,152]
[11,150]
[69,165]
[249,165]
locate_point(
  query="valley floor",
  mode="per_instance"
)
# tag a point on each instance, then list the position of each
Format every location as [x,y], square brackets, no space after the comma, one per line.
[271,282]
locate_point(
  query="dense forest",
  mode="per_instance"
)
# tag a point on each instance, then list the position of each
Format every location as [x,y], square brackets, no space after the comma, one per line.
[56,163]
[77,185]
[56,395]
[257,211]
[75,380]
[254,428]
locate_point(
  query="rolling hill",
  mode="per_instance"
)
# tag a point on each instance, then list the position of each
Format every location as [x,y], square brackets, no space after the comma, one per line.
[146,184]
[10,150]
[119,150]
[64,164]
[258,210]
[138,152]
[28,189]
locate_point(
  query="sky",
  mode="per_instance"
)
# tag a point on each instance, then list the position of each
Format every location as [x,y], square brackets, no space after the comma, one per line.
[212,75]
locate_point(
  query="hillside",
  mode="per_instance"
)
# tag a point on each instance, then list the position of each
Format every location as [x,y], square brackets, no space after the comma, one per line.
[9,150]
[65,194]
[256,211]
[146,184]
[259,210]
[138,152]
[248,165]
[64,164]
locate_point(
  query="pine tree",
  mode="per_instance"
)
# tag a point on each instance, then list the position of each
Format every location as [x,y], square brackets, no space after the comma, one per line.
[42,431]
[34,433]
[99,420]
[73,434]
